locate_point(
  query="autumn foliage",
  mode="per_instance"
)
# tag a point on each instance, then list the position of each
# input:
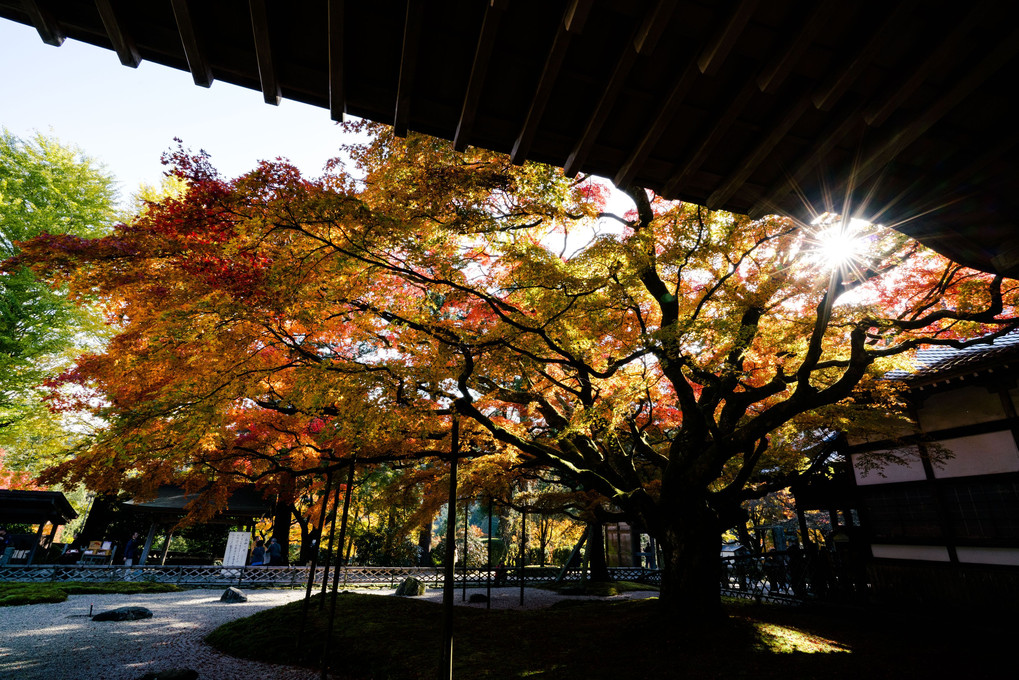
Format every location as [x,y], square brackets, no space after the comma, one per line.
[672,362]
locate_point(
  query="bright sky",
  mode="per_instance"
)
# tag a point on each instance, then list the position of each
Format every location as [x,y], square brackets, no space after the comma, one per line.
[126,118]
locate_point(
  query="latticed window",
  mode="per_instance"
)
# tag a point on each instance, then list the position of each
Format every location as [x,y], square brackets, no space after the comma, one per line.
[984,510]
[902,512]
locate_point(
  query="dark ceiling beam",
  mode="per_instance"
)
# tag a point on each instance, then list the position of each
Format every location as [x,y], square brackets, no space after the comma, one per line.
[573,23]
[821,146]
[949,48]
[123,43]
[895,143]
[773,75]
[479,70]
[828,94]
[267,77]
[708,62]
[44,22]
[878,110]
[713,56]
[710,138]
[666,112]
[337,102]
[758,155]
[769,80]
[408,65]
[643,41]
[198,61]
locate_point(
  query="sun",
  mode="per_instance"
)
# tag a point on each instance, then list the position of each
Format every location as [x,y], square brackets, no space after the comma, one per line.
[839,243]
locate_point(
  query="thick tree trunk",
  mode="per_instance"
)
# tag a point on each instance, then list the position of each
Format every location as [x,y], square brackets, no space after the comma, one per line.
[596,552]
[691,543]
[284,510]
[425,543]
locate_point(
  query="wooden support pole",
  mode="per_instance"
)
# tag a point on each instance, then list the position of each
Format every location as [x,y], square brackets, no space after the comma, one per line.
[446,670]
[523,553]
[488,572]
[329,552]
[314,556]
[336,572]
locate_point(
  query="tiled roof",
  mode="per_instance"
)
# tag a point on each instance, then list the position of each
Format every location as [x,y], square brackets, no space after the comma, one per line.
[936,363]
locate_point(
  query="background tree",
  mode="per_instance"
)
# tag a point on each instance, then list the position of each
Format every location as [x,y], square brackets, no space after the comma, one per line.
[671,362]
[45,187]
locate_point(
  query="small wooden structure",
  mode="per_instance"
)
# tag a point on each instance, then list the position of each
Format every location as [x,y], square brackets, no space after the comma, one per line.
[163,512]
[38,508]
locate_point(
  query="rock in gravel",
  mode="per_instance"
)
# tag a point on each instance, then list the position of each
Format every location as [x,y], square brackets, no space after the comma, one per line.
[172,674]
[233,595]
[410,587]
[124,614]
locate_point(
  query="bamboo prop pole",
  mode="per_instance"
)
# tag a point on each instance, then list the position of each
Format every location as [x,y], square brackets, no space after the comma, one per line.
[488,573]
[446,671]
[314,557]
[336,570]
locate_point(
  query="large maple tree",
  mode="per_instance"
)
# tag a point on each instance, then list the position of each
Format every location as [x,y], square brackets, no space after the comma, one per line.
[672,361]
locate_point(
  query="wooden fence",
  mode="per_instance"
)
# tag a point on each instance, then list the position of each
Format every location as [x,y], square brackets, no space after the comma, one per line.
[292,577]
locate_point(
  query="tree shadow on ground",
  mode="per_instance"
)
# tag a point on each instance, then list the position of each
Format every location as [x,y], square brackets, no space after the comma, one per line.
[389,637]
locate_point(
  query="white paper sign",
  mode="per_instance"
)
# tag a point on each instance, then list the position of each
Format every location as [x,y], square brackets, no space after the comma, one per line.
[237,549]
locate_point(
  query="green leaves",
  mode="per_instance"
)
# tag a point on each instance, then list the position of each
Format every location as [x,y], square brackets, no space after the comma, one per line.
[45,187]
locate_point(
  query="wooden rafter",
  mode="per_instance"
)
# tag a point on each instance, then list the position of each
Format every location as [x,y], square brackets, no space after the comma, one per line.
[644,41]
[708,61]
[259,11]
[819,150]
[710,139]
[198,61]
[826,96]
[949,48]
[123,42]
[44,22]
[337,102]
[713,56]
[773,75]
[572,23]
[664,115]
[889,148]
[408,65]
[479,70]
[775,134]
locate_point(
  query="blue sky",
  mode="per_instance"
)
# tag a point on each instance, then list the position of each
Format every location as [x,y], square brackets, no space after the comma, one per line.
[126,118]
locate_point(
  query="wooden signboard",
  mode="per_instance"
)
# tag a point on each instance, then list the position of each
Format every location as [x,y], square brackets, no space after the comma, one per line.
[237,544]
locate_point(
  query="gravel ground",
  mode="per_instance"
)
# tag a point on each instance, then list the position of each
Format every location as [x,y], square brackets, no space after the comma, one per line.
[60,642]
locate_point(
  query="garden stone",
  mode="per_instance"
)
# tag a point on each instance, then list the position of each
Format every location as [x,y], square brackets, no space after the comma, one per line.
[124,614]
[233,595]
[477,598]
[410,587]
[172,674]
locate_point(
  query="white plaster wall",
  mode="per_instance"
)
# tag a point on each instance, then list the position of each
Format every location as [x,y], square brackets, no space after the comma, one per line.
[929,553]
[910,469]
[964,406]
[980,454]
[1009,556]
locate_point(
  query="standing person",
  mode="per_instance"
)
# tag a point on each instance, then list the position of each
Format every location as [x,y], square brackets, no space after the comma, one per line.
[275,553]
[258,553]
[5,542]
[131,550]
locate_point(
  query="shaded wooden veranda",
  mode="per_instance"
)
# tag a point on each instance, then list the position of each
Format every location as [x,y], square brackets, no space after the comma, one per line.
[36,508]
